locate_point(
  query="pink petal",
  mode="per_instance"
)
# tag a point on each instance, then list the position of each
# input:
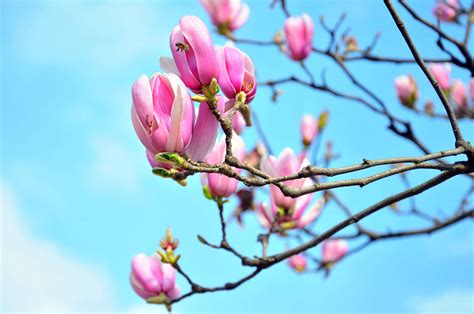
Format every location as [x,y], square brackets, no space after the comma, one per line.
[197,34]
[181,61]
[205,132]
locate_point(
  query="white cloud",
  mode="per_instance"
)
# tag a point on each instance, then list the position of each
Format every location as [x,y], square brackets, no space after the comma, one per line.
[37,276]
[456,301]
[113,166]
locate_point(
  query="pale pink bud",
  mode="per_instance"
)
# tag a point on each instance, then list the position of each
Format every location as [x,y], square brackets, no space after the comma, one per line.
[441,72]
[162,113]
[220,185]
[227,14]
[298,262]
[407,90]
[333,250]
[237,73]
[309,129]
[193,53]
[150,277]
[299,36]
[459,94]
[446,10]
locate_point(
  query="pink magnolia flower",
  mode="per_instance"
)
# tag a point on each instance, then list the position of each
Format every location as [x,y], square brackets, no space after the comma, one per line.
[150,278]
[299,36]
[333,250]
[286,164]
[459,94]
[164,119]
[193,53]
[446,10]
[407,90]
[227,14]
[441,72]
[296,217]
[297,262]
[237,73]
[309,129]
[220,185]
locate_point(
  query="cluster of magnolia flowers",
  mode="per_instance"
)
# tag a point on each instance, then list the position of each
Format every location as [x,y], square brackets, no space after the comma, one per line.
[408,94]
[222,80]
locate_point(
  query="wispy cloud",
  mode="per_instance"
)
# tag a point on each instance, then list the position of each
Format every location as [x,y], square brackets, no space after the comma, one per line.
[113,166]
[37,276]
[454,301]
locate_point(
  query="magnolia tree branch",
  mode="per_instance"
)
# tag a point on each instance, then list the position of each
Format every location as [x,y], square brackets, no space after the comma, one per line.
[263,262]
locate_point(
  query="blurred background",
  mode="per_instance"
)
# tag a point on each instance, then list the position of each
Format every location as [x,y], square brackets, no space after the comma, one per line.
[78,199]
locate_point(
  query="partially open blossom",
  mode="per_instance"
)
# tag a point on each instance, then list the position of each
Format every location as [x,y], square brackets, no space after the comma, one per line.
[407,90]
[193,53]
[151,278]
[220,185]
[309,129]
[297,262]
[441,72]
[227,15]
[299,36]
[446,10]
[237,73]
[459,94]
[333,250]
[286,164]
[162,113]
[298,216]
[164,119]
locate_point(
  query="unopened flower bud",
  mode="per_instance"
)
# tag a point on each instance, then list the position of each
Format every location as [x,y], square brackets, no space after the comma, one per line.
[309,129]
[407,90]
[323,120]
[297,262]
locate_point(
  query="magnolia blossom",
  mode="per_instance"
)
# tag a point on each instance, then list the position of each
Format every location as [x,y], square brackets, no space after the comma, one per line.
[151,278]
[164,119]
[296,217]
[227,15]
[193,53]
[299,36]
[220,185]
[333,250]
[459,94]
[287,163]
[441,72]
[309,129]
[407,90]
[446,10]
[237,73]
[297,262]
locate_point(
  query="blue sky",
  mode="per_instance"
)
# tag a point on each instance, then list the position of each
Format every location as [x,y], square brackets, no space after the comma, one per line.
[78,198]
